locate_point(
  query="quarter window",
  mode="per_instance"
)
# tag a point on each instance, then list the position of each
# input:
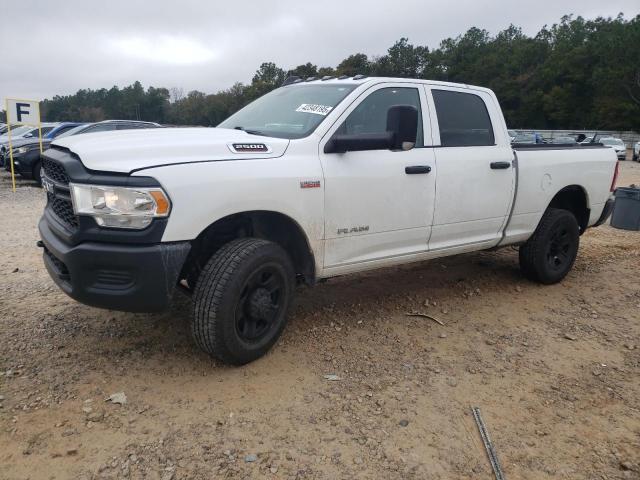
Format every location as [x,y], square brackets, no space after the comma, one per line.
[463,119]
[371,115]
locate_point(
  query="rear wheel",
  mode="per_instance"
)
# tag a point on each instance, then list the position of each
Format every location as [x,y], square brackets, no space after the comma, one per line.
[241,300]
[548,256]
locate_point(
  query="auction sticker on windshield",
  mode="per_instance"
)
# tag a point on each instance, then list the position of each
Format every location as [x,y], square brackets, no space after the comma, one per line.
[311,108]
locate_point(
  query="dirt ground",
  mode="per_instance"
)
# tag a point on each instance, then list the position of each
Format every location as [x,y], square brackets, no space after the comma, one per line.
[554,369]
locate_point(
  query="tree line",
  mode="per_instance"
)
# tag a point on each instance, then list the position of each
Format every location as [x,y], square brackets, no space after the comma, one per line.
[576,74]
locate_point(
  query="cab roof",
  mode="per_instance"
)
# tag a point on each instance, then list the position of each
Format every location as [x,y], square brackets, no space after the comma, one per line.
[362,79]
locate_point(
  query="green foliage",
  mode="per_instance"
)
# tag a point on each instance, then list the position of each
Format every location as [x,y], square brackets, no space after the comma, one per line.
[575,74]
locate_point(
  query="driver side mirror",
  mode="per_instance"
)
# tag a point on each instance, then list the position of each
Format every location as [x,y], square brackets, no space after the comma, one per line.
[29,135]
[401,133]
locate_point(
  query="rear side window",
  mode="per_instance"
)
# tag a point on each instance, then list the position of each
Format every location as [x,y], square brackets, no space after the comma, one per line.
[463,119]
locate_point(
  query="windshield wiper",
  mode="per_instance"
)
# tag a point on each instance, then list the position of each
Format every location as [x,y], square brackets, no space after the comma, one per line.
[251,132]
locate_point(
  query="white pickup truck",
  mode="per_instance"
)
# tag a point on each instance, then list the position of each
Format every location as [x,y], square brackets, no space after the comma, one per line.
[318,178]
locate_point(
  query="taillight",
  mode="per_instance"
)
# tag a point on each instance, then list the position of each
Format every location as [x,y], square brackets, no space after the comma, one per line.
[615,177]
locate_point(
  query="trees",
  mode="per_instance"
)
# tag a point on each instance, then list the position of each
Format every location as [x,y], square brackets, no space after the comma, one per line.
[577,73]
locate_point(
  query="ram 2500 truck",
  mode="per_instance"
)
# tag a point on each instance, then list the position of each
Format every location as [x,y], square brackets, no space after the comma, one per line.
[318,178]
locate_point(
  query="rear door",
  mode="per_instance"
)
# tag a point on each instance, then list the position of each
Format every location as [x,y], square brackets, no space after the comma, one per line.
[475,181]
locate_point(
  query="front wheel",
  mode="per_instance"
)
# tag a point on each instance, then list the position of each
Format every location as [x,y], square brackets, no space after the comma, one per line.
[548,256]
[241,300]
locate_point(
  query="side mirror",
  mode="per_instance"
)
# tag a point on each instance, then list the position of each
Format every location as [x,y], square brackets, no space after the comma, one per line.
[402,120]
[358,142]
[400,134]
[29,135]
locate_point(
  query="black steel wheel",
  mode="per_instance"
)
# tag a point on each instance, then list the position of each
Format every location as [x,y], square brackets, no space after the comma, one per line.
[261,303]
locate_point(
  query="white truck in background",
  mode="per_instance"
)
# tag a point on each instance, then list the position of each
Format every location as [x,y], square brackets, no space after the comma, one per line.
[318,178]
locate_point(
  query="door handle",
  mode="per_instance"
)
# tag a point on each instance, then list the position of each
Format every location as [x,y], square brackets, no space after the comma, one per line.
[500,165]
[417,169]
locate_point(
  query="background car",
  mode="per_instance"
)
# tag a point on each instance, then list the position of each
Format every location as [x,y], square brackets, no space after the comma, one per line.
[21,145]
[24,131]
[563,140]
[109,125]
[60,129]
[4,128]
[26,154]
[617,144]
[636,152]
[528,138]
[512,134]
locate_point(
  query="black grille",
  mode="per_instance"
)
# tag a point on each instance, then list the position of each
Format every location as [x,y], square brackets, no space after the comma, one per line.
[55,171]
[63,210]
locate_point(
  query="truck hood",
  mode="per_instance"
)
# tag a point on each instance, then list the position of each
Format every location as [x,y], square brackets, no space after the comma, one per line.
[128,150]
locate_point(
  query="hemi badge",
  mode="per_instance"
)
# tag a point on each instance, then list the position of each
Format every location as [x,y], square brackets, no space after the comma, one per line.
[249,148]
[310,184]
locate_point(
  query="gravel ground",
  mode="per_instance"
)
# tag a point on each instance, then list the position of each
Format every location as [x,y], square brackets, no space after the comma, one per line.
[555,370]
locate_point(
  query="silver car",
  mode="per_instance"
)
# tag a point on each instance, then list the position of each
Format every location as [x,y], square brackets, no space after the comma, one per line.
[617,144]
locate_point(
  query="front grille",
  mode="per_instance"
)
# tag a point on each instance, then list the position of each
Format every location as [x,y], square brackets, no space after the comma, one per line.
[56,181]
[55,171]
[63,209]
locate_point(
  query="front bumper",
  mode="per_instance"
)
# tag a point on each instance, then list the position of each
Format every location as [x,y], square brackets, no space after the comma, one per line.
[116,276]
[606,212]
[621,155]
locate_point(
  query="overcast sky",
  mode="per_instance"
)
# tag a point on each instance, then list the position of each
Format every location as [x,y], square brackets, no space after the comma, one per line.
[57,48]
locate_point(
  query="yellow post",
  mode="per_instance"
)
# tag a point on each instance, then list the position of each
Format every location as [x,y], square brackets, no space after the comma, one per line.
[13,173]
[40,131]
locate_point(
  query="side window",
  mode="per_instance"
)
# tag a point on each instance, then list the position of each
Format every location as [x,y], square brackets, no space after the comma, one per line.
[101,127]
[371,115]
[463,119]
[129,126]
[60,131]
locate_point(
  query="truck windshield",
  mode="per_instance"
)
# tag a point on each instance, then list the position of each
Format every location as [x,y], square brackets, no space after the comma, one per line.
[289,112]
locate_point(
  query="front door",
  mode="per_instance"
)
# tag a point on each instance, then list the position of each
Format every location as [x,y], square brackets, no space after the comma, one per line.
[378,203]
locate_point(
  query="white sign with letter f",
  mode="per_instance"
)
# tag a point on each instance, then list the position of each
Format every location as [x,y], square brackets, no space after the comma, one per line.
[23,112]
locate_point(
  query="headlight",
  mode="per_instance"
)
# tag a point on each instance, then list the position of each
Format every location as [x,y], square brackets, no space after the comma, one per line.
[119,207]
[20,150]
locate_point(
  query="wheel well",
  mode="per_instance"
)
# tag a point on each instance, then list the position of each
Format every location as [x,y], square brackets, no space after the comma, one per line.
[267,225]
[574,199]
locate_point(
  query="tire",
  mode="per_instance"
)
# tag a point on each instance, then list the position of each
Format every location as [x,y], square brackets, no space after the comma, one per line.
[37,172]
[548,256]
[242,299]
